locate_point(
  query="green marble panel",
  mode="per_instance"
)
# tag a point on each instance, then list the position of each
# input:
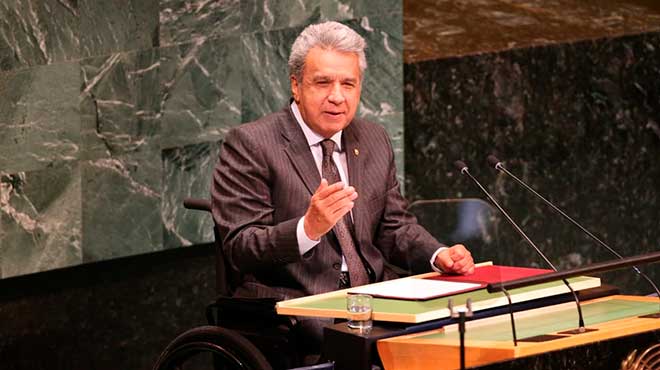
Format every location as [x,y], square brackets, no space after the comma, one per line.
[187,173]
[40,219]
[350,9]
[265,87]
[200,90]
[264,15]
[117,25]
[39,118]
[382,94]
[121,205]
[34,32]
[186,20]
[119,103]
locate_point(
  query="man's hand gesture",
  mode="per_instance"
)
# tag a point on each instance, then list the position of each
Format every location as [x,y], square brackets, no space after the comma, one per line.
[329,203]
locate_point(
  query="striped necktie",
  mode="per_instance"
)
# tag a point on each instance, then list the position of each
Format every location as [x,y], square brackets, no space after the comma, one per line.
[356,270]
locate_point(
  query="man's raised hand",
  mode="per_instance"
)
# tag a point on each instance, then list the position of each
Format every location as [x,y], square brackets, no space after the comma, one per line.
[328,204]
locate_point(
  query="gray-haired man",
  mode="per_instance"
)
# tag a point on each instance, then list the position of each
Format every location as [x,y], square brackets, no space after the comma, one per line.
[289,229]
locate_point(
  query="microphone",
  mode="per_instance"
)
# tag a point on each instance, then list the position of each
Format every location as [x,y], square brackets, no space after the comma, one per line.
[463,169]
[498,166]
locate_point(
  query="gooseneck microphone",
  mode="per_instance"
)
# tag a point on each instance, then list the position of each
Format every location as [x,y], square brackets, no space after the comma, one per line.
[463,169]
[498,166]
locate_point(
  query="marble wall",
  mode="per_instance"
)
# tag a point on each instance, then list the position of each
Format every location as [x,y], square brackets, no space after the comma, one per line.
[112,112]
[574,111]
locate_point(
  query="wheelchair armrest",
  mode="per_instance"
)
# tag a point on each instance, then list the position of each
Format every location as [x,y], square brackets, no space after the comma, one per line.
[232,312]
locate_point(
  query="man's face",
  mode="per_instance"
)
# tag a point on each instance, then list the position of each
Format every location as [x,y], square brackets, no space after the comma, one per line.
[329,93]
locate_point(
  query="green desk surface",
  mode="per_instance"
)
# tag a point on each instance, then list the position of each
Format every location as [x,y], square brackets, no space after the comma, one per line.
[333,304]
[564,318]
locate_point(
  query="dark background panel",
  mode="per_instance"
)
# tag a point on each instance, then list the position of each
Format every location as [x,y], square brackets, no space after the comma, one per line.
[578,121]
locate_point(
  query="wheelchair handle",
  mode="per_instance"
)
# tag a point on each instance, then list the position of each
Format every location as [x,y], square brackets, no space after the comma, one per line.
[198,204]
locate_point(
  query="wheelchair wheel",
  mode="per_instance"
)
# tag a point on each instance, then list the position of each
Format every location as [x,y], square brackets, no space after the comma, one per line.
[227,349]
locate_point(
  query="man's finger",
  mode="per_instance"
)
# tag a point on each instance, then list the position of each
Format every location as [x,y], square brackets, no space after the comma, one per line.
[468,268]
[340,212]
[343,200]
[348,193]
[328,190]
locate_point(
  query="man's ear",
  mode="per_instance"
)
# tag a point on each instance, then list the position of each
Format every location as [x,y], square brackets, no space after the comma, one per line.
[295,89]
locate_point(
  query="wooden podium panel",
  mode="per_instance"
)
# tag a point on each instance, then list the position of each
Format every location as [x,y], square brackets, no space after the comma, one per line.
[490,340]
[333,304]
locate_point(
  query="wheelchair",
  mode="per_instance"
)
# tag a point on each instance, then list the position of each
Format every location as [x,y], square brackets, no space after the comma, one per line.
[242,333]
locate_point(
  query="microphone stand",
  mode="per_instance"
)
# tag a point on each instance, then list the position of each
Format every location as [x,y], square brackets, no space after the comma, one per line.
[498,166]
[462,317]
[462,167]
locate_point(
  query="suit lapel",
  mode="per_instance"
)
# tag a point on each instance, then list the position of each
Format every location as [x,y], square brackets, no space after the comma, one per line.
[297,149]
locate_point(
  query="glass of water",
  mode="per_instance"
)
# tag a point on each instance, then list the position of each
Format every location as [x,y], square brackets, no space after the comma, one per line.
[360,308]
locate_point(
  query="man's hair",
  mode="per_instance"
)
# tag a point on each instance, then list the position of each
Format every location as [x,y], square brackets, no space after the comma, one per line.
[329,36]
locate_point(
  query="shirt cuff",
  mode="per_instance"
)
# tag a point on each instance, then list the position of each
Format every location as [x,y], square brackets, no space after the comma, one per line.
[305,244]
[432,261]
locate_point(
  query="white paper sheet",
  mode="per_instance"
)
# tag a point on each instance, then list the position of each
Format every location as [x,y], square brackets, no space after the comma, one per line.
[415,289]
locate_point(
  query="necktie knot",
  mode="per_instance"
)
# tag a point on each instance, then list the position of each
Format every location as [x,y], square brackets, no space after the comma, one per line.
[328,147]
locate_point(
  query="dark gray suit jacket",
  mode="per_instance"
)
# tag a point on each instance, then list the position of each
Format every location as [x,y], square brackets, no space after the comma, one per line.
[262,185]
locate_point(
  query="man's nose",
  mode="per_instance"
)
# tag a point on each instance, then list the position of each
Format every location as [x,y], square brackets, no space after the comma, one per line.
[336,94]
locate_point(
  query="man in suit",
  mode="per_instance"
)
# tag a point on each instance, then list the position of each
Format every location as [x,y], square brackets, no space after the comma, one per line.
[307,199]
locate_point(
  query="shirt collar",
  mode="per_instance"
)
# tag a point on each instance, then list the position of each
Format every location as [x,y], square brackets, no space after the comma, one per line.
[312,137]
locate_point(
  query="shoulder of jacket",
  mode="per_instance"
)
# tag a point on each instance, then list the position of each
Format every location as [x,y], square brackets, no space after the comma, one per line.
[368,129]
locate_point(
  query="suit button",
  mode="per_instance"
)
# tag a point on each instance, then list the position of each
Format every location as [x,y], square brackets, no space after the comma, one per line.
[336,266]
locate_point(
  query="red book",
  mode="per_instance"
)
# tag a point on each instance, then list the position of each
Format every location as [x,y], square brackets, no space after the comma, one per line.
[493,274]
[446,284]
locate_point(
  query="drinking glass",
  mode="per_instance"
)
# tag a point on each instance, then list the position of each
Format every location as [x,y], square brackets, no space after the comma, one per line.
[359,307]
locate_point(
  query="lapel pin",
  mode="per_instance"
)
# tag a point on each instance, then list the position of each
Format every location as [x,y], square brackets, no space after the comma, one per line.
[356,151]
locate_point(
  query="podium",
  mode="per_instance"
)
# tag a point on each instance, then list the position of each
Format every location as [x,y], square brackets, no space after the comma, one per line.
[422,335]
[489,340]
